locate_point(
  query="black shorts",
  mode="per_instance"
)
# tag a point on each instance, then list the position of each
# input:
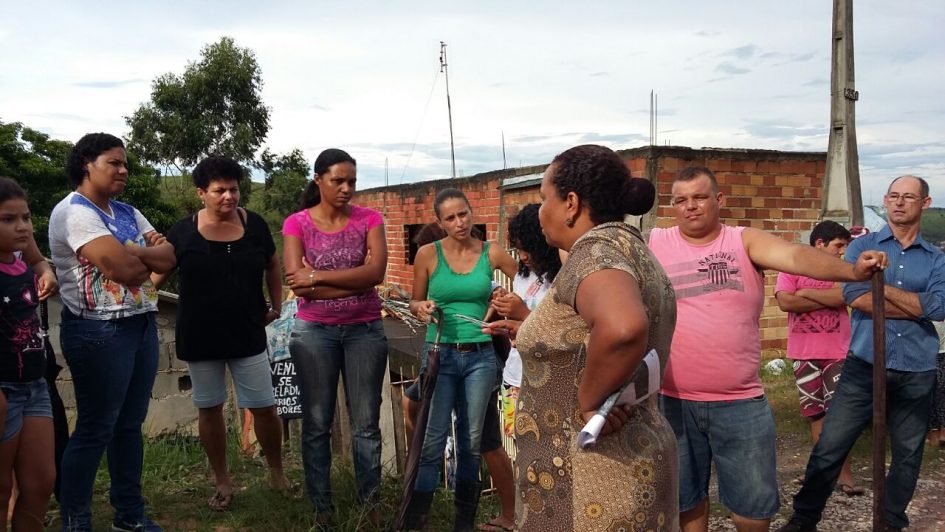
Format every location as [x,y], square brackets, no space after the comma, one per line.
[491,428]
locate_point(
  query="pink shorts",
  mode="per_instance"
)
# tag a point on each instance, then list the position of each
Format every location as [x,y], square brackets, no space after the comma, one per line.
[816,381]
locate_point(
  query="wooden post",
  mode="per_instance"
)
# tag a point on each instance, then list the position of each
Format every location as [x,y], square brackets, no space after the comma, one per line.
[879,400]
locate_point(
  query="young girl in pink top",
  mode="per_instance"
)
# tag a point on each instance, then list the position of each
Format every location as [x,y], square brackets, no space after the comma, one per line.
[335,254]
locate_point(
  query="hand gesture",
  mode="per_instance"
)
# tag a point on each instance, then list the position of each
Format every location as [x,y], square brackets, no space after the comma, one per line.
[271,316]
[616,418]
[502,328]
[422,309]
[153,238]
[46,284]
[304,277]
[868,262]
[511,306]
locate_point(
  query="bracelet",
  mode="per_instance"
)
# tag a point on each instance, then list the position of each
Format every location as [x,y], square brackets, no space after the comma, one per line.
[311,277]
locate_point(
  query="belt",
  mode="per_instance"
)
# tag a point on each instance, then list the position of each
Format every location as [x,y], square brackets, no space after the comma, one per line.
[467,347]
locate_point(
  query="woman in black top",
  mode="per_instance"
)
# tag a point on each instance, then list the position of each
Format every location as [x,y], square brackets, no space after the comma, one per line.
[223,253]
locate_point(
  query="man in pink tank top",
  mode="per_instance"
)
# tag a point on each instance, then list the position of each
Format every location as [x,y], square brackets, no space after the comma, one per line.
[712,395]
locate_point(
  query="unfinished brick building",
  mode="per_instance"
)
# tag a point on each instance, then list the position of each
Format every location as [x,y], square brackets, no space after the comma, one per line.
[776,191]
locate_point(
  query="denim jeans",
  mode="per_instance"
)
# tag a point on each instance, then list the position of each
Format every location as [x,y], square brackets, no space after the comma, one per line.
[739,437]
[908,405]
[465,382]
[113,364]
[358,353]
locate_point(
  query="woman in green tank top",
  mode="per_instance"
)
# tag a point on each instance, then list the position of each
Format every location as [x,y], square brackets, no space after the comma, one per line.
[455,274]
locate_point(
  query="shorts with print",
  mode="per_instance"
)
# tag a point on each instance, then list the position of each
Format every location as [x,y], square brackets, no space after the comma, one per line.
[24,399]
[816,381]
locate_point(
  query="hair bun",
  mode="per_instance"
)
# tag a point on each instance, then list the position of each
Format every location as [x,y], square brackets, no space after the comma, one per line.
[639,195]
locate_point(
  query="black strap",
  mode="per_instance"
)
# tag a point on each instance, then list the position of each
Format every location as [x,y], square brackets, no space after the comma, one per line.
[44,315]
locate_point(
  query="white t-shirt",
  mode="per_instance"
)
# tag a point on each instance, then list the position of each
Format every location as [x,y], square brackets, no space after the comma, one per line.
[532,290]
[75,221]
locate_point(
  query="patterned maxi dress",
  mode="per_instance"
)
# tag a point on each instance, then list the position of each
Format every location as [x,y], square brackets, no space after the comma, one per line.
[629,480]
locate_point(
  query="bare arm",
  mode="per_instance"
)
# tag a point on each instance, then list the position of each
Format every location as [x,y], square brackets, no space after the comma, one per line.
[46,281]
[115,261]
[423,263]
[789,302]
[274,285]
[501,260]
[864,304]
[828,297]
[609,301]
[773,253]
[157,255]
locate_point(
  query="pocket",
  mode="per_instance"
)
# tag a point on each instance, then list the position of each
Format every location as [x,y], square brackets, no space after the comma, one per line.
[78,334]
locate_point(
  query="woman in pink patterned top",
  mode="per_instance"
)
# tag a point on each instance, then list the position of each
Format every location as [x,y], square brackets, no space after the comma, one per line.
[335,254]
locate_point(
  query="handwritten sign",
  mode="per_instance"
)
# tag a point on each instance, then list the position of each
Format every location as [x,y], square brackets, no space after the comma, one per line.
[286,389]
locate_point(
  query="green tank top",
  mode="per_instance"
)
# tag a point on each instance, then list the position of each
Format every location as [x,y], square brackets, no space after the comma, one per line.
[460,293]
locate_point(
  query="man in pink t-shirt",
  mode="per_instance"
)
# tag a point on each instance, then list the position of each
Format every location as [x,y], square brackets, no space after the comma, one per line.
[818,337]
[712,395]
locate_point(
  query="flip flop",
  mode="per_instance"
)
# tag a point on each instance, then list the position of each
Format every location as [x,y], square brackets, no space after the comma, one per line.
[220,502]
[492,526]
[850,491]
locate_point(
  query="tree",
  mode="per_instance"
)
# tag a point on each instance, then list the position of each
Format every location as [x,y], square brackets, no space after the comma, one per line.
[286,178]
[213,108]
[38,164]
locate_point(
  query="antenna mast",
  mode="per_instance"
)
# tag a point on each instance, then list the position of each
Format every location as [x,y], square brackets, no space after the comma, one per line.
[444,68]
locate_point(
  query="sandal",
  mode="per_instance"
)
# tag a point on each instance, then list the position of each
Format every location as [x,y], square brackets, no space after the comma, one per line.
[493,526]
[850,491]
[220,502]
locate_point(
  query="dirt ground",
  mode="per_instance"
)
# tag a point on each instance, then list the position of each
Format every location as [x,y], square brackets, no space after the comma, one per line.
[852,514]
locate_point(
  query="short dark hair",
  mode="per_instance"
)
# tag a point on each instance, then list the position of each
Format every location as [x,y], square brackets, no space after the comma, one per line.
[525,233]
[693,172]
[325,160]
[87,150]
[828,231]
[445,194]
[601,179]
[923,184]
[216,168]
[10,189]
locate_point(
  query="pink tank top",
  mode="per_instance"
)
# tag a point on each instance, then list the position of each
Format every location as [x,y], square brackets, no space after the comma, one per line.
[716,350]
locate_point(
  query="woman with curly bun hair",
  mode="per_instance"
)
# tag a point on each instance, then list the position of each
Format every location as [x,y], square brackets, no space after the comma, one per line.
[105,252]
[610,303]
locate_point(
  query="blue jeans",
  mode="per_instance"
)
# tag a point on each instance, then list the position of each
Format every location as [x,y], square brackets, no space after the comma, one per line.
[113,364]
[465,383]
[908,405]
[739,437]
[358,353]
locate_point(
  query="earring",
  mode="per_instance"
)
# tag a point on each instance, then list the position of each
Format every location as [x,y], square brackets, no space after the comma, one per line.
[569,222]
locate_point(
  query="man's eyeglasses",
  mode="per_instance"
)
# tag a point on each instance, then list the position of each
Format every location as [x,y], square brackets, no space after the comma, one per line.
[894,197]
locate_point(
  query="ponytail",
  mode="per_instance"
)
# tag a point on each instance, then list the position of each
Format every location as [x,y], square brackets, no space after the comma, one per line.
[311,196]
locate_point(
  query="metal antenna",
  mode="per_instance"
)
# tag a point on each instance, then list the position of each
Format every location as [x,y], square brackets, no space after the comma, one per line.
[504,166]
[444,68]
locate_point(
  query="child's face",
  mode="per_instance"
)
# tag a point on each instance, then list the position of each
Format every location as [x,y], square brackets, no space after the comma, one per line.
[835,247]
[16,227]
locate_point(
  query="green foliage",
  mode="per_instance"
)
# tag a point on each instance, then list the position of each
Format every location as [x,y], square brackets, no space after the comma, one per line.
[143,192]
[213,108]
[286,178]
[38,164]
[933,225]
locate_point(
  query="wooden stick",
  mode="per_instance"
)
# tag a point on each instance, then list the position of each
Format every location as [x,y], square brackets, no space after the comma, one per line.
[879,400]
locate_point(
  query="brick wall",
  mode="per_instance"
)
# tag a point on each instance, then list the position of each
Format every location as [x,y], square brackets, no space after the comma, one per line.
[779,192]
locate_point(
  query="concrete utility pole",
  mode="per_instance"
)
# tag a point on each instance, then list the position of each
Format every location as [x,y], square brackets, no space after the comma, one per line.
[842,201]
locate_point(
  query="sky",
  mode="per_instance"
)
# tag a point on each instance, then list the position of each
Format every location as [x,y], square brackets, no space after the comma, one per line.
[365,76]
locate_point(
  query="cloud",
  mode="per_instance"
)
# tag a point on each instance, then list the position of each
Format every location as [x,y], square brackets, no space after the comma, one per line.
[731,68]
[816,82]
[106,84]
[599,74]
[318,107]
[782,130]
[742,52]
[707,33]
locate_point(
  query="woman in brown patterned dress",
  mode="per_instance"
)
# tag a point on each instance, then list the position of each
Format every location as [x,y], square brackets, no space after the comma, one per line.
[609,305]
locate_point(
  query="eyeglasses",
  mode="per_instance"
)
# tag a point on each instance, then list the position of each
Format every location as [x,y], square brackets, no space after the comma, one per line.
[894,197]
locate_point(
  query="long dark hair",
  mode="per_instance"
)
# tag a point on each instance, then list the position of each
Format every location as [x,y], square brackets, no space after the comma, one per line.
[326,159]
[525,234]
[10,189]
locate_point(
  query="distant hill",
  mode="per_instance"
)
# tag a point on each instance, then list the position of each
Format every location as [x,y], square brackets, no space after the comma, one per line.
[933,223]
